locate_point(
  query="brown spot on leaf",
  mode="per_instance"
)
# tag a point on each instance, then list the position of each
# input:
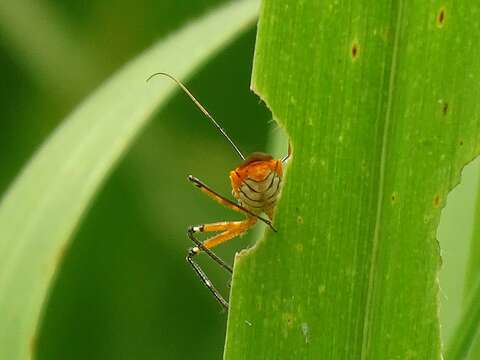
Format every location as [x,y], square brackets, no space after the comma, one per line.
[445,108]
[289,319]
[436,201]
[460,142]
[299,247]
[441,17]
[394,197]
[355,50]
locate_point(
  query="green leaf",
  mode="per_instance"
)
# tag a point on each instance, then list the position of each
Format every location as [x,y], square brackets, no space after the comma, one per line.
[468,328]
[45,204]
[467,337]
[381,104]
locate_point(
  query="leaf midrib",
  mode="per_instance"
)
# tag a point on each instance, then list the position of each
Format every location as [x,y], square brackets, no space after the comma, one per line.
[381,185]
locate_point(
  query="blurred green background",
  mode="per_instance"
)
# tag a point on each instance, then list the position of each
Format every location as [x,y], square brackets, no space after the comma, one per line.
[125,290]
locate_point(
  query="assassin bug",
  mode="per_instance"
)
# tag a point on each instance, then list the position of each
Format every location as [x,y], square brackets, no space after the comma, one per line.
[255,185]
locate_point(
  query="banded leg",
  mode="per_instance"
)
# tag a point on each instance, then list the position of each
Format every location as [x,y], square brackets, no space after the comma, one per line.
[202,247]
[229,230]
[228,203]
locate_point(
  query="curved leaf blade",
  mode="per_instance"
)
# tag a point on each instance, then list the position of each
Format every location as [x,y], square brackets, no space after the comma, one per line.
[45,204]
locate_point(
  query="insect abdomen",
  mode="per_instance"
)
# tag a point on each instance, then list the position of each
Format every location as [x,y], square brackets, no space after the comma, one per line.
[256,185]
[260,196]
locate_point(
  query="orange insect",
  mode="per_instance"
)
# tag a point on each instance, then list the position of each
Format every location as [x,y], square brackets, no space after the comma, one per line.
[255,185]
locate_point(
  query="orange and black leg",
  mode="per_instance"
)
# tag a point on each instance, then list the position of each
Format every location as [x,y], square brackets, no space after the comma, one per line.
[228,230]
[228,203]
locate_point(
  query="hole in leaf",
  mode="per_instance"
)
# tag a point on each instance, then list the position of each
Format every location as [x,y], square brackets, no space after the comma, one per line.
[455,232]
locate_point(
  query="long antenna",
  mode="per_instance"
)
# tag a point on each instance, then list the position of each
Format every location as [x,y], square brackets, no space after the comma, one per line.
[202,109]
